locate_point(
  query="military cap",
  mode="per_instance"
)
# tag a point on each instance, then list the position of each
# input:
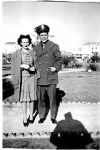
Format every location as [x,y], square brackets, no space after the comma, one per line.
[42,28]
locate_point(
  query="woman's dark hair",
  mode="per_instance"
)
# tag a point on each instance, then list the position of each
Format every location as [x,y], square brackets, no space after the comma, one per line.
[22,37]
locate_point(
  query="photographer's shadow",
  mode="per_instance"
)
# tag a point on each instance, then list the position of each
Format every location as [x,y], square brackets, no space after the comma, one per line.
[70,134]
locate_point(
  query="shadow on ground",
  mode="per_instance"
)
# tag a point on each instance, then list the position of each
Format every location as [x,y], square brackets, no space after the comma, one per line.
[7,85]
[8,88]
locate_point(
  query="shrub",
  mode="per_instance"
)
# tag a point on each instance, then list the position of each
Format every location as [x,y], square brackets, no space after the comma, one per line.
[69,61]
[93,66]
[78,65]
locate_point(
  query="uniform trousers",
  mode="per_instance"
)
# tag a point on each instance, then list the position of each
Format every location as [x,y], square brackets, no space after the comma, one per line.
[51,91]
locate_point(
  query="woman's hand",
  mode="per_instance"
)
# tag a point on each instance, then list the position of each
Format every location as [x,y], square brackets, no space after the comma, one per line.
[24,66]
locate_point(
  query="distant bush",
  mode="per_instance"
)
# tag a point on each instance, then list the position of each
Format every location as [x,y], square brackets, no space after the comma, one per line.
[78,65]
[93,66]
[70,62]
[95,58]
[6,58]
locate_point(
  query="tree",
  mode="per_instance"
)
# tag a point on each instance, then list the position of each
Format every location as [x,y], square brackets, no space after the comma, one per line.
[95,57]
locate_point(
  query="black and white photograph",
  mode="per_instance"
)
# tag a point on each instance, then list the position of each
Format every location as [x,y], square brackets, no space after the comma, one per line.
[50,74]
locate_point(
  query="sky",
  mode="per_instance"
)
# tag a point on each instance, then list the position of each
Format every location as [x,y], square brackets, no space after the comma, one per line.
[71,24]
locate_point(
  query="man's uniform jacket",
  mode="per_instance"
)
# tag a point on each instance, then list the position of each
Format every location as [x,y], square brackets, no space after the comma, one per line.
[50,56]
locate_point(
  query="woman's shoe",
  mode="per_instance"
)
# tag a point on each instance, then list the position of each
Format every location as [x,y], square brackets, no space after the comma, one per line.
[30,121]
[25,124]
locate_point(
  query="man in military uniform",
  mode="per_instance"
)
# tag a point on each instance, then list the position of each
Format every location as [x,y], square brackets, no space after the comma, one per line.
[50,62]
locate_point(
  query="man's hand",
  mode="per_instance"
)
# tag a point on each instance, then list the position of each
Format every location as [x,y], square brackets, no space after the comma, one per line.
[53,69]
[32,69]
[24,66]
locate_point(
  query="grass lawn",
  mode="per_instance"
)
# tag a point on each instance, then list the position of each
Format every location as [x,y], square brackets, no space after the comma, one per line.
[78,86]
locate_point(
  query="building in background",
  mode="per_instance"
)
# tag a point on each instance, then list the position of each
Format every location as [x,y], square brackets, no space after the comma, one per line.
[83,53]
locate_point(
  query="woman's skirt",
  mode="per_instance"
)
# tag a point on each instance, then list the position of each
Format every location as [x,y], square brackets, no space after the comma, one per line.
[28,89]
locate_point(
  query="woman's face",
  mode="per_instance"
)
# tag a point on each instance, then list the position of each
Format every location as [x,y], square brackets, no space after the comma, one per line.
[44,37]
[25,43]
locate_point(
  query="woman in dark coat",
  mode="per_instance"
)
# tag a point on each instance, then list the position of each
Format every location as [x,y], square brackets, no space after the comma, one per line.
[25,74]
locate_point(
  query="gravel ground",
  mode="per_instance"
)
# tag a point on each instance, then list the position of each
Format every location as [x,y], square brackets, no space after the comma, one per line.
[35,143]
[28,143]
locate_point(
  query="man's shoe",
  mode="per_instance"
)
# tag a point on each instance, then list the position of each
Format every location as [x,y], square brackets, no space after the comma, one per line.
[30,121]
[41,120]
[54,121]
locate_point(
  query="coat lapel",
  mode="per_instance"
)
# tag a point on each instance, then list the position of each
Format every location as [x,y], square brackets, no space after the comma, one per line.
[42,51]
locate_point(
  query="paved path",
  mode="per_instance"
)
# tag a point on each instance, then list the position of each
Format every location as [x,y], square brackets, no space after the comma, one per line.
[88,114]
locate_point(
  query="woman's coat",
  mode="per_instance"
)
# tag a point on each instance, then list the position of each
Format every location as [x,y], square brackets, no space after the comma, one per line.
[16,72]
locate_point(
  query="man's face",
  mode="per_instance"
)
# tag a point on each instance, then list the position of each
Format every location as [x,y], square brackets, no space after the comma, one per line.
[43,37]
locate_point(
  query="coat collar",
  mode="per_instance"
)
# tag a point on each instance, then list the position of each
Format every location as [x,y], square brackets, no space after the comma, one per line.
[42,51]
